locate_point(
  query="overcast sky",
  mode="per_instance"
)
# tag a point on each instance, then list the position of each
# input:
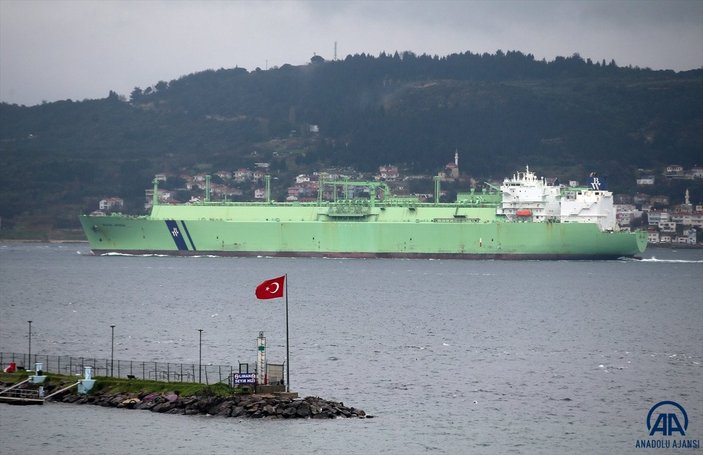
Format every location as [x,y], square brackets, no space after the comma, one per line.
[54,50]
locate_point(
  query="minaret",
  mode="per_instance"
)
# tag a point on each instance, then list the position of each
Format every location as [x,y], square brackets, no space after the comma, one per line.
[455,171]
[687,198]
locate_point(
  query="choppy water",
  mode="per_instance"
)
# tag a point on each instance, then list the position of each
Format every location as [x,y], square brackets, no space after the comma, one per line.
[450,356]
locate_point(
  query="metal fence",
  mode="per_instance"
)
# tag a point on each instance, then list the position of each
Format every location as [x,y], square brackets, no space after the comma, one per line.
[136,369]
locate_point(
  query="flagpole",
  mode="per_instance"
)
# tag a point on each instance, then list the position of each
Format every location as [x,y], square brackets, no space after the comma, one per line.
[287,341]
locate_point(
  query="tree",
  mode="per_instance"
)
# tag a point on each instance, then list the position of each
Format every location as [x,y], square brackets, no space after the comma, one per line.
[136,94]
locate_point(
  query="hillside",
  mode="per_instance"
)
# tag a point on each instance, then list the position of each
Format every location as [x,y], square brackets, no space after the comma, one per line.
[499,111]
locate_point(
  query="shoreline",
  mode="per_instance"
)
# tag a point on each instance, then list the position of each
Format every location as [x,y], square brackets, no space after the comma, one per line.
[185,399]
[272,406]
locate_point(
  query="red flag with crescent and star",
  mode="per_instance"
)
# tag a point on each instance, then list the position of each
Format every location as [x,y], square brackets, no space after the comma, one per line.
[271,289]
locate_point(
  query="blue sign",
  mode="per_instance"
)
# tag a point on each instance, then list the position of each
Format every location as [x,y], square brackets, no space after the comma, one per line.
[245,378]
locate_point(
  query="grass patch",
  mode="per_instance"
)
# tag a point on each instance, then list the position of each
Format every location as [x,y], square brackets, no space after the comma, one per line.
[13,378]
[186,389]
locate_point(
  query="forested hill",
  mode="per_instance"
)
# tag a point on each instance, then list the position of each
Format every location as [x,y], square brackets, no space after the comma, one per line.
[499,111]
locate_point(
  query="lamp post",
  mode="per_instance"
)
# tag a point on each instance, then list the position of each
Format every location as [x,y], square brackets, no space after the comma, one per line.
[29,360]
[112,352]
[200,356]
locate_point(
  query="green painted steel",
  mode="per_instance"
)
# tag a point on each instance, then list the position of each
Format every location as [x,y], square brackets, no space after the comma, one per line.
[354,228]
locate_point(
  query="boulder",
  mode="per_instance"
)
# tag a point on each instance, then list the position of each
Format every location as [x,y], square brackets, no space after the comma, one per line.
[303,410]
[164,406]
[289,412]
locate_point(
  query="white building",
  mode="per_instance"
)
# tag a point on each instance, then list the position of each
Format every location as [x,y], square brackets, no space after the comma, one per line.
[667,226]
[674,170]
[656,217]
[653,236]
[388,172]
[646,180]
[111,203]
[688,237]
[626,213]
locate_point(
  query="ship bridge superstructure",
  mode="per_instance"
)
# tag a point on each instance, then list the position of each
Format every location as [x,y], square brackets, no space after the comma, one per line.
[586,205]
[525,197]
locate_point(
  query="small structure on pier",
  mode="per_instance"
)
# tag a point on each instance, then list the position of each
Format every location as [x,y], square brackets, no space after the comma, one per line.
[16,394]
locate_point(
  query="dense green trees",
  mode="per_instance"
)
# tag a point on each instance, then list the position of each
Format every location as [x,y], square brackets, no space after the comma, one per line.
[500,111]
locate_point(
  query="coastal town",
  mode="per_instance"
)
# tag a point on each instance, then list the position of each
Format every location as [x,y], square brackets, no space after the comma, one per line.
[667,221]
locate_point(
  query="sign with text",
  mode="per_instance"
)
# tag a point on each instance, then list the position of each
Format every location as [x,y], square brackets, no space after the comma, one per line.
[245,378]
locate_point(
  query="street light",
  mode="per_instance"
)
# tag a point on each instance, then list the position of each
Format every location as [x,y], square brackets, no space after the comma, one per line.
[200,356]
[29,360]
[112,352]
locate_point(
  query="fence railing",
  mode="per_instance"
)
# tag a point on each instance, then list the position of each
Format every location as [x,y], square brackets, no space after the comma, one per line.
[137,369]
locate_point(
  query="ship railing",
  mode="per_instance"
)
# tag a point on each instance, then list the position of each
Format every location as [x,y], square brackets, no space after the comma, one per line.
[456,219]
[476,203]
[131,369]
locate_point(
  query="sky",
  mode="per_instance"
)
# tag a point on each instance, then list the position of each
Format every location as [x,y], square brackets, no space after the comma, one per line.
[54,50]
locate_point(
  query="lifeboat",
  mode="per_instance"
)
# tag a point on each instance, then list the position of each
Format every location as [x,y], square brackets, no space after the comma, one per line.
[524,212]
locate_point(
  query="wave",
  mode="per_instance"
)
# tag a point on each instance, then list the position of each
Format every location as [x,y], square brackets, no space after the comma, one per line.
[676,261]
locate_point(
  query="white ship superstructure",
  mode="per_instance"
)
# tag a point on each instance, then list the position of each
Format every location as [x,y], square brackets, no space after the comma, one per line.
[589,206]
[527,197]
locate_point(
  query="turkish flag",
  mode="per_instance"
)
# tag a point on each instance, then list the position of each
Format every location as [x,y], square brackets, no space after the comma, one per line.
[271,289]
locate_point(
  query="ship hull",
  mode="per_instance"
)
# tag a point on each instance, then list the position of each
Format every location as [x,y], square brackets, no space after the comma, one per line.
[487,239]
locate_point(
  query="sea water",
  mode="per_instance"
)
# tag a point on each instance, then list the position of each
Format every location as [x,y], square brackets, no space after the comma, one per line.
[449,356]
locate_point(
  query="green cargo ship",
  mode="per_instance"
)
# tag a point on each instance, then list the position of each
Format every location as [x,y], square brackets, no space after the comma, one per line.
[523,219]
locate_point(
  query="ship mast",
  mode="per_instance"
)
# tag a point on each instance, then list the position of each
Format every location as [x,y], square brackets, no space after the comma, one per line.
[155,197]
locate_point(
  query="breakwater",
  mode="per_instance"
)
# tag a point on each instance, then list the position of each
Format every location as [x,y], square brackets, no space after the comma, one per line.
[246,406]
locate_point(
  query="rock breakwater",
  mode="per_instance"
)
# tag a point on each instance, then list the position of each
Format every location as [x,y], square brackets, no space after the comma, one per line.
[244,406]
